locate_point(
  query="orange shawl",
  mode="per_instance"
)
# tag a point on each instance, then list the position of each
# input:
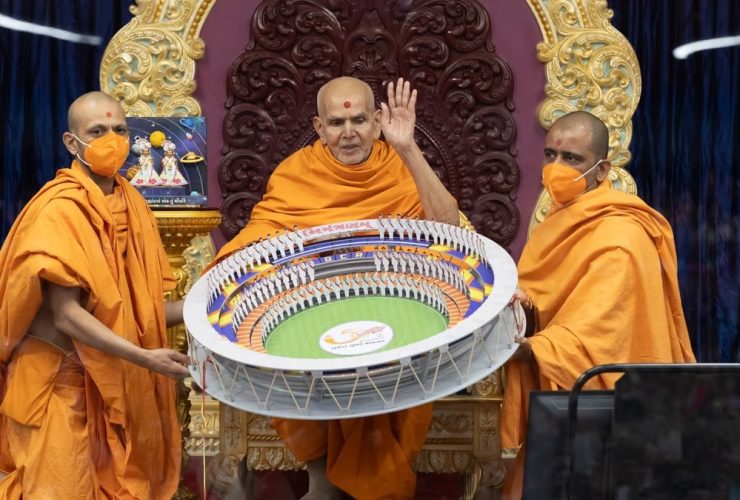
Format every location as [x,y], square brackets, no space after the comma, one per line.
[602,272]
[311,188]
[66,235]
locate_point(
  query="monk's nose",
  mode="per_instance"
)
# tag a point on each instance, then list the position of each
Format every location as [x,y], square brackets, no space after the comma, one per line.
[349,129]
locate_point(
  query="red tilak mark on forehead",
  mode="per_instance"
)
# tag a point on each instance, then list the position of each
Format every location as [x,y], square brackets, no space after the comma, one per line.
[347,104]
[109,114]
[558,142]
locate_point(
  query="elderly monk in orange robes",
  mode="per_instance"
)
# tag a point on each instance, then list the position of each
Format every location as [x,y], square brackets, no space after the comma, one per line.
[349,174]
[88,405]
[598,277]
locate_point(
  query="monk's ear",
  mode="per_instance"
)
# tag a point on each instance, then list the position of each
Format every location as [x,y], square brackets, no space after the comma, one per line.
[318,126]
[603,170]
[70,143]
[377,116]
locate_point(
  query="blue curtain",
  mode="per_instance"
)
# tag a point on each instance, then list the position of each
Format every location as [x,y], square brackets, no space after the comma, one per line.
[686,154]
[41,76]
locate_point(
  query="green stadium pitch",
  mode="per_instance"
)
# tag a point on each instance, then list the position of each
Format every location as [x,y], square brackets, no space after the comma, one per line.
[299,336]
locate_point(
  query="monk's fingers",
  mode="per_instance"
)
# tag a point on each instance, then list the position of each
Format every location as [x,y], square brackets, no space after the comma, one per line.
[524,299]
[179,371]
[406,94]
[385,114]
[412,103]
[391,95]
[168,362]
[177,367]
[399,93]
[181,358]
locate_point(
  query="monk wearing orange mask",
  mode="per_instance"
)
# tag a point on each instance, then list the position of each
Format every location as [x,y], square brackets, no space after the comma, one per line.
[349,174]
[598,277]
[87,399]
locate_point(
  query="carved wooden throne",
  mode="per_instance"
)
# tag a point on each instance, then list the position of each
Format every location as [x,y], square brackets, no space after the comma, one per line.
[464,126]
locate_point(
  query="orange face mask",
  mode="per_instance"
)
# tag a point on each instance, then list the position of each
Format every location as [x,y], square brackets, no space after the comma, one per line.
[105,155]
[564,183]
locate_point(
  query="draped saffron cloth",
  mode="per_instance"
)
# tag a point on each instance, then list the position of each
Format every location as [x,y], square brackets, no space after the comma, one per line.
[311,188]
[86,424]
[368,457]
[601,271]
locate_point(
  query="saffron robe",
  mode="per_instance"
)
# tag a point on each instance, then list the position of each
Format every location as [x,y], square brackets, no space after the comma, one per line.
[368,457]
[113,424]
[602,273]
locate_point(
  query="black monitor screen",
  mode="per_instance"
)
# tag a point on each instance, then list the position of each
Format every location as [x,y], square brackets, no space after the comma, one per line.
[677,435]
[544,469]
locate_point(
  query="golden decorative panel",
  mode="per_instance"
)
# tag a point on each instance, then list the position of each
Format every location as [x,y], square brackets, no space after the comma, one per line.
[149,65]
[589,66]
[204,420]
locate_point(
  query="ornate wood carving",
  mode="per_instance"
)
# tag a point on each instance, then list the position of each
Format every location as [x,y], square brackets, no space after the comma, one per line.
[464,112]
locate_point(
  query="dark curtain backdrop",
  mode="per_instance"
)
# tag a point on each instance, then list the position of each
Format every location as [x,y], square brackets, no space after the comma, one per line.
[40,77]
[686,154]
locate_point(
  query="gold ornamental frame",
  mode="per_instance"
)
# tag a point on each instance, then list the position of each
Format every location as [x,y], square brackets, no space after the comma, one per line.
[149,66]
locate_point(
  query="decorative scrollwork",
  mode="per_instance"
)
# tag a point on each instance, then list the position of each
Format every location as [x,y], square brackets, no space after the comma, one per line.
[489,386]
[487,431]
[149,65]
[494,214]
[451,423]
[277,458]
[243,170]
[236,210]
[444,461]
[489,129]
[465,94]
[251,128]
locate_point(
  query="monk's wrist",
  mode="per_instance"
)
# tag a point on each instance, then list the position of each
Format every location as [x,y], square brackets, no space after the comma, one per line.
[408,152]
[140,356]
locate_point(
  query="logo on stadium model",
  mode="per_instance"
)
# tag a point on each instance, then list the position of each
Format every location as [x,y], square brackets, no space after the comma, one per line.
[356,337]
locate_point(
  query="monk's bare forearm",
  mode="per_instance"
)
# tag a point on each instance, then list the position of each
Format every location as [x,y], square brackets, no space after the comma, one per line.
[173,312]
[436,201]
[72,319]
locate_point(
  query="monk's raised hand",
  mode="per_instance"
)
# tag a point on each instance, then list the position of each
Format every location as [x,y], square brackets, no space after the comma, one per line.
[398,116]
[168,362]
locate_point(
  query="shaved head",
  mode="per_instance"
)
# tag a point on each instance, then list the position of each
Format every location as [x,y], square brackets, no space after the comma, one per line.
[342,89]
[583,121]
[82,104]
